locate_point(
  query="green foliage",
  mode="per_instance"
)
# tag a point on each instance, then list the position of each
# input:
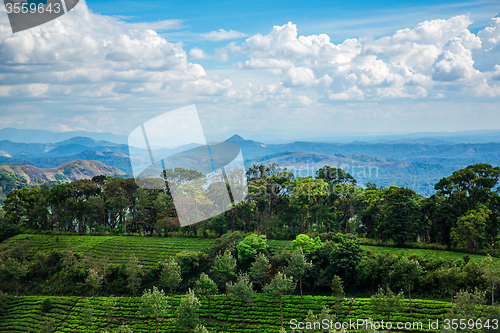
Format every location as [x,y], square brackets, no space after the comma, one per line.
[259,270]
[450,278]
[154,304]
[224,267]
[134,272]
[171,276]
[319,318]
[242,291]
[200,329]
[187,312]
[308,245]
[46,305]
[385,302]
[250,246]
[490,272]
[205,287]
[470,229]
[94,279]
[87,315]
[407,271]
[121,329]
[48,325]
[298,266]
[338,292]
[279,286]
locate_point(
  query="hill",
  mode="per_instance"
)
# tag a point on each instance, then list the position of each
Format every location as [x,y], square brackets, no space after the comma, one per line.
[70,171]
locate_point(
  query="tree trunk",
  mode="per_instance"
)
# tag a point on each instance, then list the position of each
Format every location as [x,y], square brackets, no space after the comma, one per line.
[281,311]
[225,285]
[452,296]
[17,287]
[93,289]
[300,284]
[243,308]
[409,294]
[172,298]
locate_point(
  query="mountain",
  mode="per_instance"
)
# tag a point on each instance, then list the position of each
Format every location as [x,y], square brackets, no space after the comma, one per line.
[70,171]
[43,136]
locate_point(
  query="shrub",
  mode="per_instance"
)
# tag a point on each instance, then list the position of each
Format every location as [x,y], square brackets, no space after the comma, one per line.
[46,305]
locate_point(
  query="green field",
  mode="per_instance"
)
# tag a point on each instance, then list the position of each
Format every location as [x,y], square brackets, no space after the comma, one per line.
[24,314]
[426,253]
[149,250]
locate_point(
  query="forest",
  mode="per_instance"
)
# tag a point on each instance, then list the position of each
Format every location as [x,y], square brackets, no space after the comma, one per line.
[315,239]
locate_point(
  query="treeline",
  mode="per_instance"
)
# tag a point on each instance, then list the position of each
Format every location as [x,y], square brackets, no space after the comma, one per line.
[464,213]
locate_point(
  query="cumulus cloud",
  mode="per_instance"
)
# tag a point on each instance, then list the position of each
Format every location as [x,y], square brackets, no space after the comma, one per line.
[221,34]
[196,53]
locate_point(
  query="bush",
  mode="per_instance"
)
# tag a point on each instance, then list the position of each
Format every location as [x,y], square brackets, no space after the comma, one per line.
[46,305]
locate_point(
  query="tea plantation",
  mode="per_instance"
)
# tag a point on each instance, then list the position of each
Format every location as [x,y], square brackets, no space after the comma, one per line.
[24,314]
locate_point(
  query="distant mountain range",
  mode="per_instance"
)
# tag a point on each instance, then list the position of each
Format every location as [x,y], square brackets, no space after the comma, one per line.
[70,171]
[42,136]
[416,162]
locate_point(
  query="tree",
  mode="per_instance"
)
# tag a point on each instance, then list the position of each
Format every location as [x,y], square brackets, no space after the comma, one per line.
[154,304]
[16,270]
[279,286]
[308,245]
[338,291]
[471,228]
[187,312]
[385,302]
[48,325]
[87,315]
[205,287]
[491,274]
[94,279]
[225,267]
[450,278]
[250,246]
[335,176]
[171,276]
[109,306]
[134,271]
[242,291]
[298,266]
[407,271]
[259,270]
[306,193]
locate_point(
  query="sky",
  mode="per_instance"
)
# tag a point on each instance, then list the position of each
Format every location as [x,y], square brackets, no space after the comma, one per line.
[314,68]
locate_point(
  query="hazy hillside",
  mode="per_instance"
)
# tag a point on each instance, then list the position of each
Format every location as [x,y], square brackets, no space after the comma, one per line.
[74,170]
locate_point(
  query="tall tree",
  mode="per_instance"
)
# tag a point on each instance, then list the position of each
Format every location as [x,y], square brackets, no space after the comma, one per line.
[451,278]
[242,291]
[171,276]
[187,312]
[205,287]
[305,194]
[385,302]
[491,274]
[279,286]
[94,279]
[470,229]
[16,271]
[338,291]
[224,267]
[134,271]
[154,304]
[298,266]
[259,270]
[407,271]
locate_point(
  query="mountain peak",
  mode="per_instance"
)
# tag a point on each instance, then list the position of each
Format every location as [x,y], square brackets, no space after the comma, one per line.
[235,138]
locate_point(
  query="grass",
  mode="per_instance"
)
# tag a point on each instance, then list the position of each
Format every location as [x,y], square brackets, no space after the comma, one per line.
[24,314]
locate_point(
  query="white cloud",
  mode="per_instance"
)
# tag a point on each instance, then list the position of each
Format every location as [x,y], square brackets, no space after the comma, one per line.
[221,34]
[196,53]
[158,25]
[353,93]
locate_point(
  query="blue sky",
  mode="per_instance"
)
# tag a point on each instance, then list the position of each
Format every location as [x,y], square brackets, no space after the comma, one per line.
[299,68]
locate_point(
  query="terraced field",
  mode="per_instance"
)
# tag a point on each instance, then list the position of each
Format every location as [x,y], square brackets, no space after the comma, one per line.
[24,314]
[149,250]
